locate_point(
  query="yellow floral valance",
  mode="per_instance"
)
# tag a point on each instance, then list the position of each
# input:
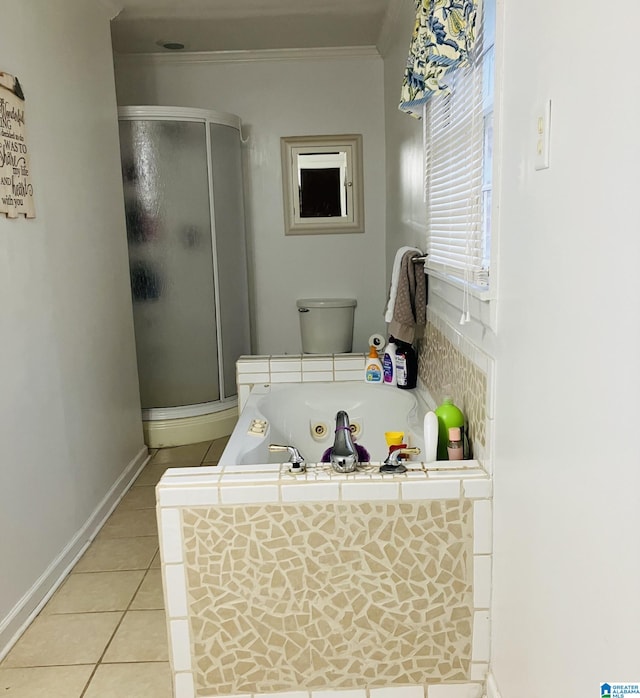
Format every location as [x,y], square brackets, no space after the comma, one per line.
[443,37]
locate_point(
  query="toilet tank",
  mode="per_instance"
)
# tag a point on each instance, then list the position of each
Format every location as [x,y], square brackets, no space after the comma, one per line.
[326,324]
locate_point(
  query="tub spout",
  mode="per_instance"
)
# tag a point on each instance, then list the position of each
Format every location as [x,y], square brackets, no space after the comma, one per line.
[344,456]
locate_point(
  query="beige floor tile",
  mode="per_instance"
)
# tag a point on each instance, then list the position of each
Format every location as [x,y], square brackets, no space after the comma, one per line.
[107,554]
[141,637]
[151,475]
[143,497]
[215,451]
[86,592]
[181,455]
[155,563]
[53,640]
[45,682]
[140,680]
[130,523]
[149,595]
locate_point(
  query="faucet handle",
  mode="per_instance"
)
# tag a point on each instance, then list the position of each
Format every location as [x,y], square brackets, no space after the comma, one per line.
[393,464]
[276,448]
[295,457]
[410,451]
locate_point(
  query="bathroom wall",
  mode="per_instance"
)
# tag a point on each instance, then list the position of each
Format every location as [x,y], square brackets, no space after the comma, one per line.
[406,214]
[301,95]
[566,338]
[566,470]
[69,397]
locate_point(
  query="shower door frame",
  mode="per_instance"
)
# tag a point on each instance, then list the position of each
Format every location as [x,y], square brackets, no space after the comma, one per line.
[206,117]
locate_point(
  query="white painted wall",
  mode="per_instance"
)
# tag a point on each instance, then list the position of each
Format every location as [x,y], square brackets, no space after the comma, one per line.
[406,213]
[567,470]
[290,98]
[69,399]
[567,475]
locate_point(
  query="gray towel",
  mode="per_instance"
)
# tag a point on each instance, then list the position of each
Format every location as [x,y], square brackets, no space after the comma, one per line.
[410,309]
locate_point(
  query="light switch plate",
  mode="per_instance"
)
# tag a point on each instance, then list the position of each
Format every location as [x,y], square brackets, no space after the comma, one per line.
[543,135]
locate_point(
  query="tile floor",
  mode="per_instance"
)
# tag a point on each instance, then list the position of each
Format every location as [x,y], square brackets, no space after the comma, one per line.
[102,634]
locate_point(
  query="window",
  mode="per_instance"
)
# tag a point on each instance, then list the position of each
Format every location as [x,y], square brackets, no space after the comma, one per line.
[458,138]
[322,184]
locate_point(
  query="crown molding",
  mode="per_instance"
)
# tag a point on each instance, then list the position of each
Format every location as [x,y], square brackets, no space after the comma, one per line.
[285,54]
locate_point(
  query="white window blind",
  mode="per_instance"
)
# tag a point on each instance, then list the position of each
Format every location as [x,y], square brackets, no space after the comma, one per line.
[458,138]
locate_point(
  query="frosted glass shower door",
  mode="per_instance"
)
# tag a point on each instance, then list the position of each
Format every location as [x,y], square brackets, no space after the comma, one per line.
[231,254]
[166,187]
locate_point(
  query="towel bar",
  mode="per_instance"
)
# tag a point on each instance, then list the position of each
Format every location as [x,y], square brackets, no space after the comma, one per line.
[420,259]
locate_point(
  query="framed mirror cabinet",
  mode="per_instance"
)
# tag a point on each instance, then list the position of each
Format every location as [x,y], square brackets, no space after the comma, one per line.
[322,184]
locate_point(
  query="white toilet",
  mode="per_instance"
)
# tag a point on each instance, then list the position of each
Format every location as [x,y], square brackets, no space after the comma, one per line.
[326,324]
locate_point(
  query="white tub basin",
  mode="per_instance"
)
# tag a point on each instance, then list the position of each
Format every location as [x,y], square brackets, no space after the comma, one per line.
[303,415]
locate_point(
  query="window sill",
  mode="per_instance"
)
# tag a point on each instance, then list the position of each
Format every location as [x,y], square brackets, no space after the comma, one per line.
[482,294]
[447,296]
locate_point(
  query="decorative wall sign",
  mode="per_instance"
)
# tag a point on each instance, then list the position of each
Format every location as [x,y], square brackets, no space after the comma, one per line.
[16,190]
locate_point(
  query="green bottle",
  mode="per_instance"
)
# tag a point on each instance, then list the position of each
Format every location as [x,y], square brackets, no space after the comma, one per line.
[448,416]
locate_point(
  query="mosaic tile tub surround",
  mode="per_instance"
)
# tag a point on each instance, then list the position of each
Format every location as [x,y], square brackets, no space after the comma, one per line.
[449,365]
[325,584]
[306,595]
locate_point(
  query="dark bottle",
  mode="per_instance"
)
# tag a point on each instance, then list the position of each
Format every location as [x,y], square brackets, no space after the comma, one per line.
[406,365]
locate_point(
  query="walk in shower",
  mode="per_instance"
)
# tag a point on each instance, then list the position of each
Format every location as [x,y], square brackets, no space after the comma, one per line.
[183,190]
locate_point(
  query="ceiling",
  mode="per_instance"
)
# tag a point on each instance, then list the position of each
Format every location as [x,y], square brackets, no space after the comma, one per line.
[235,25]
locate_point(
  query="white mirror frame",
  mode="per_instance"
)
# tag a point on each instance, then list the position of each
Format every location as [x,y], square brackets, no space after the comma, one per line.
[353,222]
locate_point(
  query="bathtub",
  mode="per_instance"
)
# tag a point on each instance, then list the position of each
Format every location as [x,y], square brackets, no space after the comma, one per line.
[303,415]
[329,560]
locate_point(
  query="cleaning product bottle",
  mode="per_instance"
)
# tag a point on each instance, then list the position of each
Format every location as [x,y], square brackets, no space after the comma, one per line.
[454,447]
[373,367]
[406,366]
[430,435]
[389,362]
[448,416]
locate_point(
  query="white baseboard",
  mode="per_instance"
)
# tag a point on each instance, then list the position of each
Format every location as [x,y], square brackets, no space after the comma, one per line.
[21,615]
[492,688]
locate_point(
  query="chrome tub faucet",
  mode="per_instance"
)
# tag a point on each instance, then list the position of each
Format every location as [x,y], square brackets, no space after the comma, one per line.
[344,455]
